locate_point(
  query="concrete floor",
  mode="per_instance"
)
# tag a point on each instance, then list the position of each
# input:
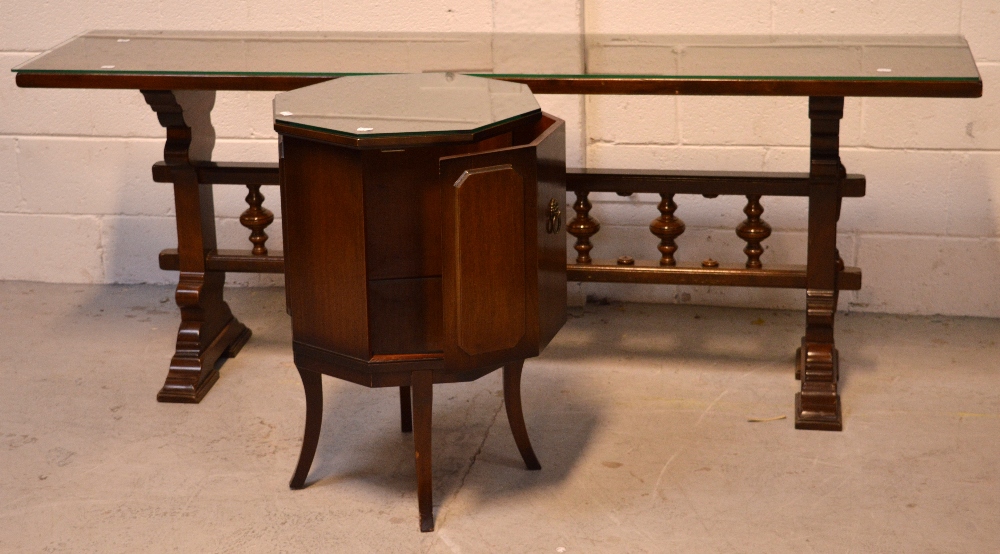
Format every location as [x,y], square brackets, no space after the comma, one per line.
[638,414]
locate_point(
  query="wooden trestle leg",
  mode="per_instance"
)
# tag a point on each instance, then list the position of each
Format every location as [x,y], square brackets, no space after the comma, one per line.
[818,405]
[208,329]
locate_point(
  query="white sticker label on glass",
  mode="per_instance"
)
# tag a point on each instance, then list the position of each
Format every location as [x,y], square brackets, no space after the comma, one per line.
[107,67]
[884,70]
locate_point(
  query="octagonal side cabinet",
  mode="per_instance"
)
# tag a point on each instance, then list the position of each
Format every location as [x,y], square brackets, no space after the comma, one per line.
[436,244]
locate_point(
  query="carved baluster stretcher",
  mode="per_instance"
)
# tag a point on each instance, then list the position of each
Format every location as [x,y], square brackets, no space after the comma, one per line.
[823,276]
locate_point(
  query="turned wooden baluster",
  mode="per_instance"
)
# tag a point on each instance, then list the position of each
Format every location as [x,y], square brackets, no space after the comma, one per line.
[257,218]
[667,227]
[583,227]
[753,230]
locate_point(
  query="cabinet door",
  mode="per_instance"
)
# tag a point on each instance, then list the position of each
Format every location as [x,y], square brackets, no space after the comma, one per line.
[490,278]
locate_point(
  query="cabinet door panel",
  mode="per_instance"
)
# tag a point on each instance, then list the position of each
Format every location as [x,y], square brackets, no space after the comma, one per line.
[489,289]
[494,245]
[489,263]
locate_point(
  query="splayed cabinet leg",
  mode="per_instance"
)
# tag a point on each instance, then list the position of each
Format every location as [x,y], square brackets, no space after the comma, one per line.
[515,415]
[423,399]
[312,383]
[405,410]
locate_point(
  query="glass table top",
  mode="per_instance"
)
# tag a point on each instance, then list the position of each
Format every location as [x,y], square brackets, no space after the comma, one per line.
[405,104]
[591,56]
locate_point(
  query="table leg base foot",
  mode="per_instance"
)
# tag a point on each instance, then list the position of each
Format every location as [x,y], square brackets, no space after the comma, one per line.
[817,420]
[426,523]
[238,344]
[191,377]
[182,393]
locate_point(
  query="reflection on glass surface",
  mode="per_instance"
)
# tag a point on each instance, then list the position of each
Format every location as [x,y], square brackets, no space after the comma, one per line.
[925,57]
[424,103]
[785,56]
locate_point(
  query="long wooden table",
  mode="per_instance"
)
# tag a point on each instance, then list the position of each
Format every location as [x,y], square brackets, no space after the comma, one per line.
[179,73]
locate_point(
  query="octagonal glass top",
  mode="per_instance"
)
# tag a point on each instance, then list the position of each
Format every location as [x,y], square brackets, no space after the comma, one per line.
[405,105]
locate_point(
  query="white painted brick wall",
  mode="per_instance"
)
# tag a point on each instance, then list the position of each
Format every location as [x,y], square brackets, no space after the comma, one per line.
[38,247]
[980,21]
[867,16]
[77,202]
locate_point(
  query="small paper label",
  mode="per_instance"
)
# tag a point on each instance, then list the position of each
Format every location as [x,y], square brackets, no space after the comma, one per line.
[107,67]
[286,114]
[884,70]
[365,129]
[124,39]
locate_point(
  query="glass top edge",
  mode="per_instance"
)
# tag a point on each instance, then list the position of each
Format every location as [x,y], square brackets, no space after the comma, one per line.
[526,76]
[266,34]
[474,130]
[511,56]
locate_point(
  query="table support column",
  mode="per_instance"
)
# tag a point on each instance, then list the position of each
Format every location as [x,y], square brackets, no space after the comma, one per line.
[208,329]
[818,405]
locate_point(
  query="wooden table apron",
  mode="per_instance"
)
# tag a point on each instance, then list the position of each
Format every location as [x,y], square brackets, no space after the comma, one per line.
[209,331]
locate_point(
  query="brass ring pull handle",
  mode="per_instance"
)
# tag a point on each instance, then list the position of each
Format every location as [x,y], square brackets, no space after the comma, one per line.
[554,221]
